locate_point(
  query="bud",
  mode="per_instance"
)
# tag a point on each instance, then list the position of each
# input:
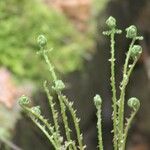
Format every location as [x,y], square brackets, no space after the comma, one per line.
[41,40]
[36,110]
[131,32]
[59,85]
[136,50]
[134,103]
[111,22]
[23,100]
[97,100]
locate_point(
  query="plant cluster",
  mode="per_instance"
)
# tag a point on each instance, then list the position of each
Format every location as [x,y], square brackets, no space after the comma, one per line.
[120,127]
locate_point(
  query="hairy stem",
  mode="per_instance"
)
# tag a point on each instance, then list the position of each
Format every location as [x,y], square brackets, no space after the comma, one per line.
[50,67]
[46,133]
[99,127]
[54,113]
[76,122]
[112,79]
[127,128]
[122,94]
[65,119]
[44,121]
[62,106]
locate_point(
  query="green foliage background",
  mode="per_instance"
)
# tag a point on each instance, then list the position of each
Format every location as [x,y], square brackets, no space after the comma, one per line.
[21,21]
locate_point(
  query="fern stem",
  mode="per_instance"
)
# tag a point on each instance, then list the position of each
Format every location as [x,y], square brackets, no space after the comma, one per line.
[127,129]
[46,133]
[124,83]
[44,121]
[99,127]
[65,119]
[112,79]
[50,67]
[76,122]
[54,114]
[62,106]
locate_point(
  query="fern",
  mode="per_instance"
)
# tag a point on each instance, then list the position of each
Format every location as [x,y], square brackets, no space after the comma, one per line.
[120,129]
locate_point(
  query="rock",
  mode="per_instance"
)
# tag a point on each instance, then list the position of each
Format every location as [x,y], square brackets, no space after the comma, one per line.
[79,11]
[8,90]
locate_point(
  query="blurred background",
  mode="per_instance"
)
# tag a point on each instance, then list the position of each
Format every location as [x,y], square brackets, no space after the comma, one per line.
[74,30]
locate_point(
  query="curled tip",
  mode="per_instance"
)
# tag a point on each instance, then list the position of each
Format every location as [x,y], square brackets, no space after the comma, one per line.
[59,85]
[36,109]
[23,100]
[134,103]
[41,40]
[131,32]
[111,22]
[97,100]
[136,51]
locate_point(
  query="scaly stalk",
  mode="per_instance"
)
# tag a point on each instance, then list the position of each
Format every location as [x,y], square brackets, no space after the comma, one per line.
[122,94]
[98,104]
[133,103]
[54,113]
[34,116]
[62,106]
[76,122]
[111,23]
[99,126]
[112,79]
